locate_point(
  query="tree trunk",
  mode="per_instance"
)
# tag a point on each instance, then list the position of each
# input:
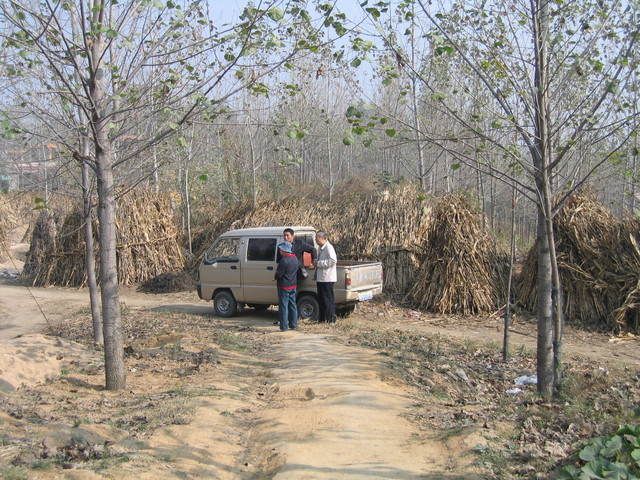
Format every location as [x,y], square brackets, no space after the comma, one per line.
[512,256]
[545,310]
[94,297]
[541,155]
[112,327]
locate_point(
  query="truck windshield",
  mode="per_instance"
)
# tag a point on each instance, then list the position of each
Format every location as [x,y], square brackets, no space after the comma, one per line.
[224,250]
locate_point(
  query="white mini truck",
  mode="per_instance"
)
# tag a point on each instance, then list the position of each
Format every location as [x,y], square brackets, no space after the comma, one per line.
[238,269]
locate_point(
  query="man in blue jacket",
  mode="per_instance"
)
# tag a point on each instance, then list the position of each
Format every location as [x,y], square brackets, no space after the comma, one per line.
[286,277]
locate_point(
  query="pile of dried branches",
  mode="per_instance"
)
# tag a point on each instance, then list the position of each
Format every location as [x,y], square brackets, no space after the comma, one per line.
[44,236]
[147,243]
[463,271]
[599,263]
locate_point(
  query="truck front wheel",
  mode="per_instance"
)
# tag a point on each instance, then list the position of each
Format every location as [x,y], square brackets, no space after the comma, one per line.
[224,304]
[308,307]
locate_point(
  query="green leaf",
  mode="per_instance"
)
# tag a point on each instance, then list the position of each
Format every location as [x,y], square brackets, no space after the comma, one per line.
[356,62]
[390,132]
[589,453]
[353,112]
[181,142]
[339,29]
[374,12]
[111,34]
[455,166]
[347,140]
[203,177]
[173,126]
[275,14]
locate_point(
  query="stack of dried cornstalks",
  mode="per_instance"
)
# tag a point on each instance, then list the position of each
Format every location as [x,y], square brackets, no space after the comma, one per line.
[147,243]
[385,222]
[43,243]
[463,271]
[599,265]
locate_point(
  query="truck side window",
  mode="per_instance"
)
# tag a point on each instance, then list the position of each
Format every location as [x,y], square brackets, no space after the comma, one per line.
[261,249]
[310,239]
[225,250]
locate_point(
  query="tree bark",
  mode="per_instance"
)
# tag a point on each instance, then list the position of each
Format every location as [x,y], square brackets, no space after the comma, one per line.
[112,327]
[94,294]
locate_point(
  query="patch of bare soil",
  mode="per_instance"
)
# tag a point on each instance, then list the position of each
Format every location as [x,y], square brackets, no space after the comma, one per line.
[209,398]
[387,393]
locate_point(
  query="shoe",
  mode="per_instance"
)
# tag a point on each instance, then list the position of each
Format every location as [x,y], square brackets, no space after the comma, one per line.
[282,329]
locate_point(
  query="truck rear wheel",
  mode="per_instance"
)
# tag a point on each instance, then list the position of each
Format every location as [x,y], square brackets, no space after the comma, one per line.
[308,307]
[224,304]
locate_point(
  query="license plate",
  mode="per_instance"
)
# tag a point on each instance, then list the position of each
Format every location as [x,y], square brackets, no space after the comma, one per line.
[365,296]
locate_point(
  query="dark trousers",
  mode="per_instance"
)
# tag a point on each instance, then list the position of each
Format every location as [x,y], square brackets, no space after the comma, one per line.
[326,302]
[287,309]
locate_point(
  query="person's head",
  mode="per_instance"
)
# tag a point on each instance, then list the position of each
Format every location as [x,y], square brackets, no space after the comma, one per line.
[321,238]
[288,235]
[285,247]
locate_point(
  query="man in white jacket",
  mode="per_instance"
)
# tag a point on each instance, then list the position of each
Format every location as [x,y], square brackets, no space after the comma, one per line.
[326,275]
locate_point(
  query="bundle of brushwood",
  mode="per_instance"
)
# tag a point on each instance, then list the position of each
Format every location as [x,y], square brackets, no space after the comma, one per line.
[463,271]
[400,267]
[147,243]
[599,264]
[388,221]
[43,243]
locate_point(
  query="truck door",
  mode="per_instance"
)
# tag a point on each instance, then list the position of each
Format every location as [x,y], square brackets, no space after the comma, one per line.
[221,267]
[259,269]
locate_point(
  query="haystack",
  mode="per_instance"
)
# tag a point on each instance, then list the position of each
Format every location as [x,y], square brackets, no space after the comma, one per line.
[43,244]
[463,270]
[599,265]
[147,243]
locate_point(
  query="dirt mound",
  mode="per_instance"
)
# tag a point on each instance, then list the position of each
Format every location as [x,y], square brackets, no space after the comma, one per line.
[168,282]
[33,359]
